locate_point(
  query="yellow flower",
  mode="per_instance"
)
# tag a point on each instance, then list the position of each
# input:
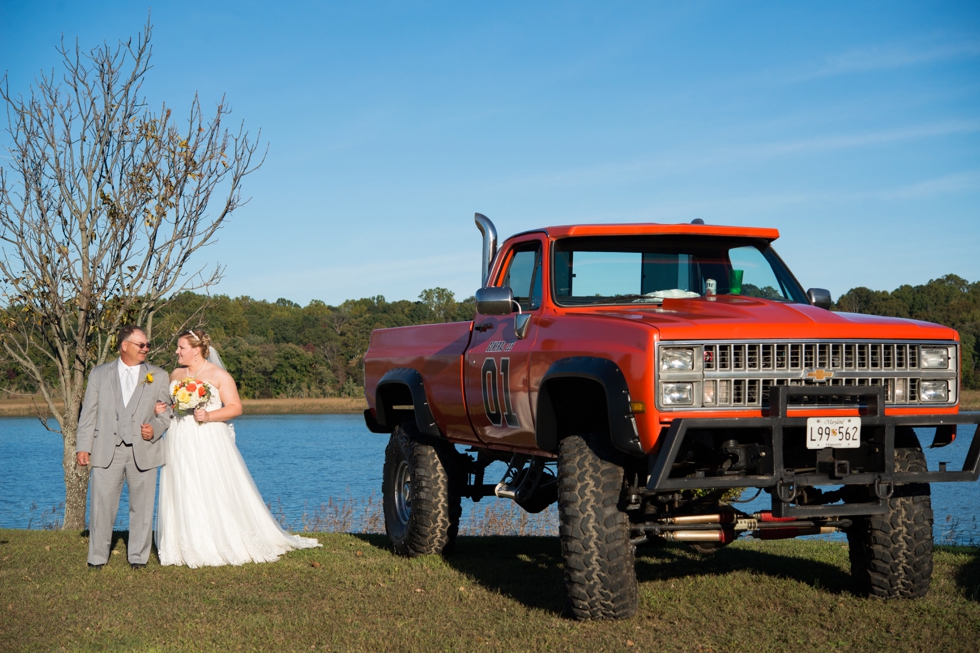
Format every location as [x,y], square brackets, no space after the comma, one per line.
[183,396]
[149,378]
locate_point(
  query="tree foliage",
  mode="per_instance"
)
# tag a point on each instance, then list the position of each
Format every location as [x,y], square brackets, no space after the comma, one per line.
[280,349]
[949,300]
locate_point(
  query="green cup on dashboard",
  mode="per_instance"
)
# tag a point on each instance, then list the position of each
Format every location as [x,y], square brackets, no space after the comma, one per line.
[735,282]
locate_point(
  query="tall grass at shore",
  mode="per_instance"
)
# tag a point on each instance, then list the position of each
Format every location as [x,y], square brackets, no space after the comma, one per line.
[30,405]
[366,515]
[357,515]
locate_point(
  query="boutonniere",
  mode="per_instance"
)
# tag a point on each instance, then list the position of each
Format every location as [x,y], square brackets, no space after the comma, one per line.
[147,379]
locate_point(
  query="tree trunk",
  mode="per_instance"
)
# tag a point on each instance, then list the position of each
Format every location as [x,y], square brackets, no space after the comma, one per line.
[76,478]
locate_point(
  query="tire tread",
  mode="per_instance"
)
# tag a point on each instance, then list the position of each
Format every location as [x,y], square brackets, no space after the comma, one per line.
[600,572]
[436,506]
[891,554]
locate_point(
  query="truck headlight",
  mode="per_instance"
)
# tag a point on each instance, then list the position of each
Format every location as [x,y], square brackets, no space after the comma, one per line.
[934,358]
[933,391]
[675,359]
[678,394]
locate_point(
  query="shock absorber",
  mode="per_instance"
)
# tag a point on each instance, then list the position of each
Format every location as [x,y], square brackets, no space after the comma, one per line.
[723,535]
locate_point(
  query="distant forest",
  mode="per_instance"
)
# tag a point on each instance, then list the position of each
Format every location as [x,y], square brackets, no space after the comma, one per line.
[282,349]
[949,300]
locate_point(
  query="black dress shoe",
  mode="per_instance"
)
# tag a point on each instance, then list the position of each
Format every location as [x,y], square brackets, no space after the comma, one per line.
[95,567]
[138,565]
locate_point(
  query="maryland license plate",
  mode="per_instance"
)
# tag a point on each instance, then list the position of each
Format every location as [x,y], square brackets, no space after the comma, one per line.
[833,432]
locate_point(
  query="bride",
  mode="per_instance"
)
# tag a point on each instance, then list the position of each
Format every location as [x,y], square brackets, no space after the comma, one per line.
[210,511]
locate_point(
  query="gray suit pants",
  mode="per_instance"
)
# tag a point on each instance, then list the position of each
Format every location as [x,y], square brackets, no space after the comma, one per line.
[107,484]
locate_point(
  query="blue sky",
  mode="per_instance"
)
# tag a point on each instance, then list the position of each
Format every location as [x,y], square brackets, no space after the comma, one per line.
[854,128]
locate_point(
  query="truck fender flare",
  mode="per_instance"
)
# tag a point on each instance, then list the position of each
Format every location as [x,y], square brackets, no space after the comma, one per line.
[412,380]
[622,425]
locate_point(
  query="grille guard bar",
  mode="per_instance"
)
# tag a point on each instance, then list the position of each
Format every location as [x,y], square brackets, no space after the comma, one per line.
[786,481]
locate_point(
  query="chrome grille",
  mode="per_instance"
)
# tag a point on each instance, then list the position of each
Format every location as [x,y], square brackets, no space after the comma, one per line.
[740,374]
[792,356]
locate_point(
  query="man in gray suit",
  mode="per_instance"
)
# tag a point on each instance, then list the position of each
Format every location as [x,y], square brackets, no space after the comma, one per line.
[119,435]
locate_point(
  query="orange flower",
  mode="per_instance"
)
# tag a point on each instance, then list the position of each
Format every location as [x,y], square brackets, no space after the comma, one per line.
[201,391]
[191,387]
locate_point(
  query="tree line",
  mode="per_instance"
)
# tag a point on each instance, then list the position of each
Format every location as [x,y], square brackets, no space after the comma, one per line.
[281,349]
[949,300]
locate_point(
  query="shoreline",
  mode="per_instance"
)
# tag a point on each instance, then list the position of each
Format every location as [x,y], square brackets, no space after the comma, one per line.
[25,406]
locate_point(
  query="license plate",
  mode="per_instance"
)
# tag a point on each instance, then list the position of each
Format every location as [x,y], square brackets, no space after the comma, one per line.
[833,432]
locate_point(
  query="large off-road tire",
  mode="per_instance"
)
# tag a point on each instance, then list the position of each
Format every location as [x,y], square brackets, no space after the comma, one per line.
[891,554]
[421,493]
[600,571]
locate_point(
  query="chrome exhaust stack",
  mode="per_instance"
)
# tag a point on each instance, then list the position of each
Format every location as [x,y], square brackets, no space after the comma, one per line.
[489,243]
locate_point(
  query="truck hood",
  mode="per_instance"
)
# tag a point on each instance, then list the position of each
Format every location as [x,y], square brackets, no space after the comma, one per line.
[748,318]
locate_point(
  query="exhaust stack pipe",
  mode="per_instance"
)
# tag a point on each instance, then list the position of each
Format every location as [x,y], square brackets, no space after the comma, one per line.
[489,243]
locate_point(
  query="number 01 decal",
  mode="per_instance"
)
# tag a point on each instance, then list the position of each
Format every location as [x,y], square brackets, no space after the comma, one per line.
[491,397]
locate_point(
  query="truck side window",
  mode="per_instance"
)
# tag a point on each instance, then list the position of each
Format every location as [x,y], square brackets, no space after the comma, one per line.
[523,276]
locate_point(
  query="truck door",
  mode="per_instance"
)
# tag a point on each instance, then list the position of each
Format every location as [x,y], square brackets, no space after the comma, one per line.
[497,362]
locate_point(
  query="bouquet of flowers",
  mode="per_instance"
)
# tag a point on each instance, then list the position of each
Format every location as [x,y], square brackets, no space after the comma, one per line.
[189,395]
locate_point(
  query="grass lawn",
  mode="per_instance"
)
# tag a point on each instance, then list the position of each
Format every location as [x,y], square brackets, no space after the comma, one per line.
[492,594]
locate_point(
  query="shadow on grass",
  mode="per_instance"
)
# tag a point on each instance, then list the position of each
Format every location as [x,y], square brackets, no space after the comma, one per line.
[117,537]
[675,561]
[526,569]
[374,540]
[529,569]
[968,577]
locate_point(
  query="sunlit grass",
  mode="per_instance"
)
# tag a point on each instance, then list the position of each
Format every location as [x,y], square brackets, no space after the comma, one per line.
[492,593]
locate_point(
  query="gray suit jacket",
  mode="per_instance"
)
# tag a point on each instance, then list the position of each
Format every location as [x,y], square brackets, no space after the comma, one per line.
[104,416]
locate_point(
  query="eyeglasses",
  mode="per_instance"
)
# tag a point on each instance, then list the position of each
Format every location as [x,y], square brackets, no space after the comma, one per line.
[141,345]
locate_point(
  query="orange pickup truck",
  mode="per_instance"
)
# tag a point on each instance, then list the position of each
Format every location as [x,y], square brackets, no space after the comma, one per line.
[639,375]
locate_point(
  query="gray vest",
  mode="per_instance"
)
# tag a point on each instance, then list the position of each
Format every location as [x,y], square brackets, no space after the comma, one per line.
[128,428]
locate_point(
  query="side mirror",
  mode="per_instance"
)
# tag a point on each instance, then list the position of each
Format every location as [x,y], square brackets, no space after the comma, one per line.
[521,324]
[495,301]
[819,297]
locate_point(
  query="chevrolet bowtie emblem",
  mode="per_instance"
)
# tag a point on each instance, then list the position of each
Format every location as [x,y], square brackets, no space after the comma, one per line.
[818,374]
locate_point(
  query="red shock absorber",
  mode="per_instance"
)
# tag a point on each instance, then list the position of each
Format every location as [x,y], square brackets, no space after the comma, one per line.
[792,531]
[766,516]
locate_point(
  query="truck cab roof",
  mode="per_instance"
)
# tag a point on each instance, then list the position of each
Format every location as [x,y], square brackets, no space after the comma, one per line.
[655,229]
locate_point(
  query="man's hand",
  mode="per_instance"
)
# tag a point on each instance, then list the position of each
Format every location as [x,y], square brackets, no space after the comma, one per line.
[146,431]
[82,457]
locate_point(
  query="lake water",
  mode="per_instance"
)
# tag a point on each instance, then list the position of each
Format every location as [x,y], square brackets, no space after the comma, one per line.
[300,461]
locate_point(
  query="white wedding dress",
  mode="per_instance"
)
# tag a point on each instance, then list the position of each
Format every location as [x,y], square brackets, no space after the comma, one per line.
[210,511]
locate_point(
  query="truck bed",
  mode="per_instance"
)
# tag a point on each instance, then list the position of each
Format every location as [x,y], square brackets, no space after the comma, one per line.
[436,351]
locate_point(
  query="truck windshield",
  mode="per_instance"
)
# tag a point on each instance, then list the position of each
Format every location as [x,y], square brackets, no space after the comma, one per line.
[649,269]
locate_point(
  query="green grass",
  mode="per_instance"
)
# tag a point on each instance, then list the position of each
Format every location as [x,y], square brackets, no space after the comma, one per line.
[492,594]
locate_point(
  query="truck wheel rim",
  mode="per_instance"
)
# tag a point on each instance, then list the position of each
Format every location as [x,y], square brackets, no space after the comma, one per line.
[403,492]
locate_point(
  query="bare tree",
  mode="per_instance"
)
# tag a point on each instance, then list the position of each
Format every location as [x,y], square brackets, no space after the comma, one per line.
[103,202]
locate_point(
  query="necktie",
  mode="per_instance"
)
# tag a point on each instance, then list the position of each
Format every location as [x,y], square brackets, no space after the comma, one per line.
[130,385]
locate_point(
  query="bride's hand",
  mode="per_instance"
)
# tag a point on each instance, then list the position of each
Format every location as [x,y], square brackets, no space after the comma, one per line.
[160,407]
[201,415]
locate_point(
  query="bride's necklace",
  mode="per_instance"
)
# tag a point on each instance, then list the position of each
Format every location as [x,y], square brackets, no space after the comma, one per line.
[193,375]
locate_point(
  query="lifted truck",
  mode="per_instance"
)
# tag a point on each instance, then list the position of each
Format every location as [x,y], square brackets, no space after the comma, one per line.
[637,374]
